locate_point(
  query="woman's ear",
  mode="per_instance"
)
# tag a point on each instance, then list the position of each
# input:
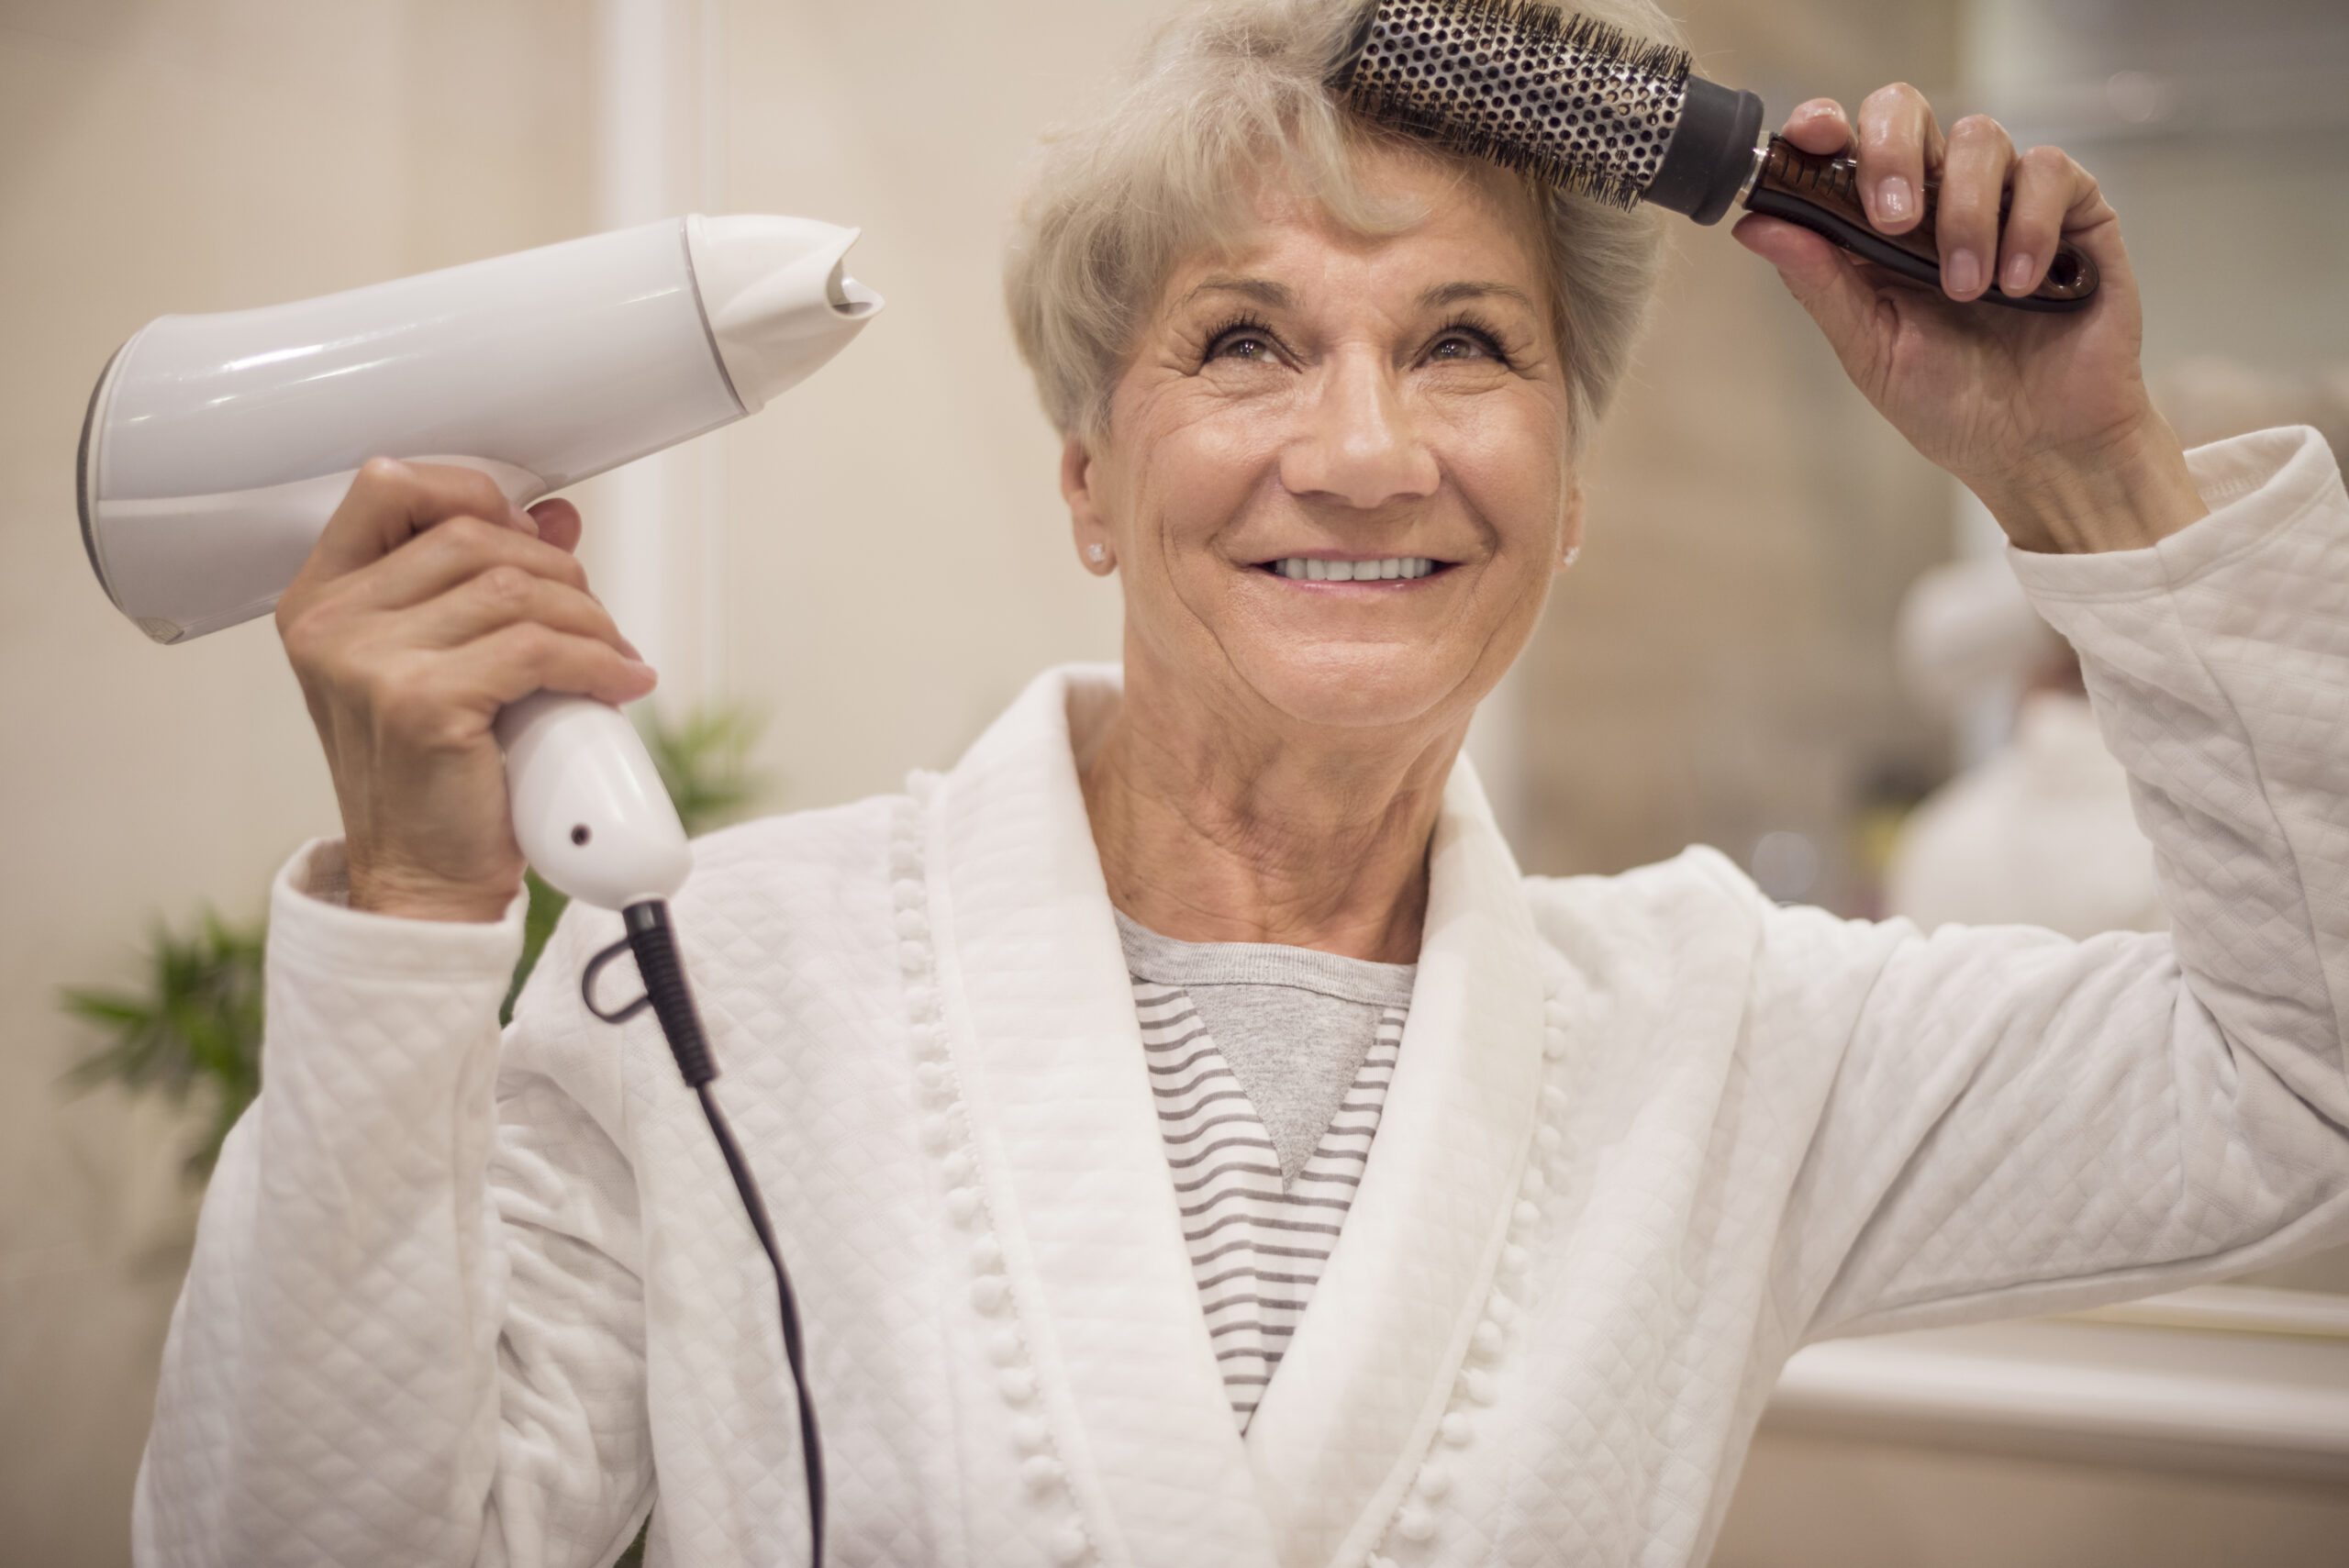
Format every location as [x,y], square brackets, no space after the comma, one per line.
[1094,546]
[1570,536]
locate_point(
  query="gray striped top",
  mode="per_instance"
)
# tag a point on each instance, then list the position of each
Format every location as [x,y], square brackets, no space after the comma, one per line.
[1270,1065]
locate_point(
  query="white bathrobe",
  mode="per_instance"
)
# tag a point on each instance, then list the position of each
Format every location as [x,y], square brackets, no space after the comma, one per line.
[462,1300]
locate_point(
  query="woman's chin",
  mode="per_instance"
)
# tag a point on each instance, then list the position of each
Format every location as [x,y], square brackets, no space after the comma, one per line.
[1348,685]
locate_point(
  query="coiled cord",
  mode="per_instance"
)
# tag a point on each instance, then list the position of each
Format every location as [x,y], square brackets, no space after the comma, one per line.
[654,945]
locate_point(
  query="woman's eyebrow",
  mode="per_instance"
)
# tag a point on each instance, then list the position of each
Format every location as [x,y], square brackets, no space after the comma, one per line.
[1444,294]
[1264,291]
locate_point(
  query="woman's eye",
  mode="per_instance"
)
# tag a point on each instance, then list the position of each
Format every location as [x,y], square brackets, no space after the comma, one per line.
[1249,345]
[1463,346]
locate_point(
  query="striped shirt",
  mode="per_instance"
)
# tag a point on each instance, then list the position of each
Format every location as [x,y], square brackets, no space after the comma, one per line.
[1261,1228]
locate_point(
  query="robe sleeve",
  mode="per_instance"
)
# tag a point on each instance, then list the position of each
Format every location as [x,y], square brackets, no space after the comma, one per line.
[2021,1123]
[412,1329]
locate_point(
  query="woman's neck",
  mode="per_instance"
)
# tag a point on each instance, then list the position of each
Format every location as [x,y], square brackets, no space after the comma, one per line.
[1213,827]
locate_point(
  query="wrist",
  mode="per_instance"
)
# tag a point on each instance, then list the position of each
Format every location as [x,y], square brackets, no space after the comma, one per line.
[381,887]
[2129,493]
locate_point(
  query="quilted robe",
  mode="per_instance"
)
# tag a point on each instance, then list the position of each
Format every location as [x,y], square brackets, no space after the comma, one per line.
[457,1299]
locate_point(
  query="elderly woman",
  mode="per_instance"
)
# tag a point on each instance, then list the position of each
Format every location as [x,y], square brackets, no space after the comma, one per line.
[1196,1141]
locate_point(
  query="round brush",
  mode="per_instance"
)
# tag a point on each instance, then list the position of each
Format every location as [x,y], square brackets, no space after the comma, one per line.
[1595,111]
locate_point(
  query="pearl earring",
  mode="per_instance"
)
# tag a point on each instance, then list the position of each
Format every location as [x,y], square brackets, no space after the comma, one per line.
[1099,555]
[1572,552]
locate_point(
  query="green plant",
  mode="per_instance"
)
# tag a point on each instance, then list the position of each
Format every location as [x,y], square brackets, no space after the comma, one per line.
[705,760]
[539,918]
[195,1024]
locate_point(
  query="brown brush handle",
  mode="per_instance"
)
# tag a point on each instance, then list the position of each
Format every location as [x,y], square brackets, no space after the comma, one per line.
[1822,194]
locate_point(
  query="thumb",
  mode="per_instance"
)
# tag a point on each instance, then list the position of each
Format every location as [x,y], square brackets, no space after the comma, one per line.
[1823,279]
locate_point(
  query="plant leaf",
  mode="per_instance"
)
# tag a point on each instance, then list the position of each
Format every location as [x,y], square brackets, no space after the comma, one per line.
[197,1024]
[704,759]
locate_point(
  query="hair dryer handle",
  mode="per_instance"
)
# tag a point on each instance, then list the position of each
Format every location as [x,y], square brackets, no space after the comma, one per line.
[589,809]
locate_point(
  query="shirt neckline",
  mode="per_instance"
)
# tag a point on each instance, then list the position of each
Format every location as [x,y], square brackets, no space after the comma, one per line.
[1151,955]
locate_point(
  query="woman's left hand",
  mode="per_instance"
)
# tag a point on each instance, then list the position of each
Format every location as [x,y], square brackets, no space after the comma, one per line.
[2044,416]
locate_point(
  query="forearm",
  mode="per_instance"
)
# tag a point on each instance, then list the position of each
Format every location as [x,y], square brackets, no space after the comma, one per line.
[330,1384]
[2219,664]
[2022,1122]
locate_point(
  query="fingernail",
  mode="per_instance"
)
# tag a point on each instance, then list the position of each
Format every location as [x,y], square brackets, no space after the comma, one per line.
[524,521]
[2020,268]
[1892,199]
[631,649]
[1964,274]
[639,667]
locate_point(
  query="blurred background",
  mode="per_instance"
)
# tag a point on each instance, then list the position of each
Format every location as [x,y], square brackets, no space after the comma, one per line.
[869,569]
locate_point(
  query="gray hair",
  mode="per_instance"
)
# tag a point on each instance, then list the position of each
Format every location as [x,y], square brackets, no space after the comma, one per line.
[1230,89]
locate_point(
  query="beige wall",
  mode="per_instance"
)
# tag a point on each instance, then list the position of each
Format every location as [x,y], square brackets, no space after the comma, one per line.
[899,552]
[1716,667]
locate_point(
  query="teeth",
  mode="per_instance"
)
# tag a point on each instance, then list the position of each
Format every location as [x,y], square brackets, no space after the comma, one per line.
[1307,569]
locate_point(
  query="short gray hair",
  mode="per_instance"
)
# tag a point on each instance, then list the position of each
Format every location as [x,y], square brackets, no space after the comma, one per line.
[1160,173]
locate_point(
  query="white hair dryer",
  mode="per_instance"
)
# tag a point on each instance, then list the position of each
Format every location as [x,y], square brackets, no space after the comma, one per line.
[217,445]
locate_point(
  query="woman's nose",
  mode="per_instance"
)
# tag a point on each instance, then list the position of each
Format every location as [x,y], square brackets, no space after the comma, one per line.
[1359,443]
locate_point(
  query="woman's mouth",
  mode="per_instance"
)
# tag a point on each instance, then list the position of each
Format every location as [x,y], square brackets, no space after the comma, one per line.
[1312,569]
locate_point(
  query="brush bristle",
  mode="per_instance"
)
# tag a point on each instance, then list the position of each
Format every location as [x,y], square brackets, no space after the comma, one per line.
[1568,99]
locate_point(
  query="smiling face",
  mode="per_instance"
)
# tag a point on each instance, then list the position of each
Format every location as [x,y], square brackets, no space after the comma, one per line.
[1337,477]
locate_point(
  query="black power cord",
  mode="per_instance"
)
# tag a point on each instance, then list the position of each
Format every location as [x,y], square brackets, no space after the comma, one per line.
[650,939]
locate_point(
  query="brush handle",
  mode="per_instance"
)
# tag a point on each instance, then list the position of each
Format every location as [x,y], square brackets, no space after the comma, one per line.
[1822,194]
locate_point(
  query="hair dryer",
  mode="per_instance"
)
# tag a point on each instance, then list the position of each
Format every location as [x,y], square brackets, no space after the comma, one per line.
[217,445]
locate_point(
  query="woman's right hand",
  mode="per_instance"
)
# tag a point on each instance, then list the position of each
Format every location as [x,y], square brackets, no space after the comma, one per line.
[428,605]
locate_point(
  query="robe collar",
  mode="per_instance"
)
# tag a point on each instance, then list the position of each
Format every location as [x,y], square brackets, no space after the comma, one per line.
[1048,1053]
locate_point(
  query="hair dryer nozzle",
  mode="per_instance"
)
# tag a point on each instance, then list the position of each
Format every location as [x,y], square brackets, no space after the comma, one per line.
[777,298]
